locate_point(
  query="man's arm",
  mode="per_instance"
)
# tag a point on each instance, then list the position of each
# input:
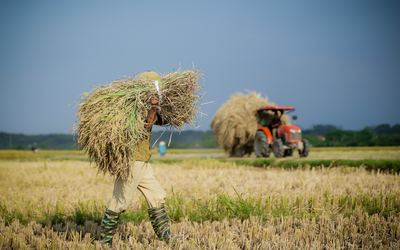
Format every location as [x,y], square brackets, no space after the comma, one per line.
[275,124]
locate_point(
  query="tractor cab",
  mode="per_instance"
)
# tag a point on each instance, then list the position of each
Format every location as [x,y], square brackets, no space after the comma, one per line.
[283,139]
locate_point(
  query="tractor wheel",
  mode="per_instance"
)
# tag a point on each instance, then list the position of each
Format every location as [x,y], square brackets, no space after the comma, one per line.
[306,148]
[283,138]
[288,152]
[278,148]
[261,147]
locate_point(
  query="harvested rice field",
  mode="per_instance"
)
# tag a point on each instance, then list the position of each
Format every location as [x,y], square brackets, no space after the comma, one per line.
[221,205]
[387,153]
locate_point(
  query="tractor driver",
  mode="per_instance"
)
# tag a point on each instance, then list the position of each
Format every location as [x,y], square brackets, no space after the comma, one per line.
[275,123]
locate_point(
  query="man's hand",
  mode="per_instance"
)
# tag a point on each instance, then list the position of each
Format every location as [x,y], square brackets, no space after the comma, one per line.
[150,120]
[152,113]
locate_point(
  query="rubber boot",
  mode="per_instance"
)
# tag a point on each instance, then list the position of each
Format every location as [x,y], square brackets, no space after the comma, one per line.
[109,225]
[159,221]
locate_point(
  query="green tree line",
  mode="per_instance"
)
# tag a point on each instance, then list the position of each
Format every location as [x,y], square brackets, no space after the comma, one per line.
[49,141]
[184,139]
[381,135]
[335,136]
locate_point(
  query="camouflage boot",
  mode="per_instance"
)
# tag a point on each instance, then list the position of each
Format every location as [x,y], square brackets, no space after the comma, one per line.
[160,223]
[109,225]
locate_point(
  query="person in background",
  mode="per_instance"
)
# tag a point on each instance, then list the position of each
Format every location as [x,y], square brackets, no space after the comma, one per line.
[34,148]
[162,148]
[275,123]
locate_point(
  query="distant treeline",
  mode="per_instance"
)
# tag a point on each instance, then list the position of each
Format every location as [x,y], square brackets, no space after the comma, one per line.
[381,135]
[185,139]
[50,141]
[334,136]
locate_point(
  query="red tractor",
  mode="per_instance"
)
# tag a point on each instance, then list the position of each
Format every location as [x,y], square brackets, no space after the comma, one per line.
[282,139]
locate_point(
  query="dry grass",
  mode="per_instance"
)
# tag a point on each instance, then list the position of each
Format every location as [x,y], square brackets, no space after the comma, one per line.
[388,153]
[354,155]
[375,148]
[111,119]
[235,123]
[322,208]
[357,232]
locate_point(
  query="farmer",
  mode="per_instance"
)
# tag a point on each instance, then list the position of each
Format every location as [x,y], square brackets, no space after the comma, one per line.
[275,123]
[143,180]
[162,148]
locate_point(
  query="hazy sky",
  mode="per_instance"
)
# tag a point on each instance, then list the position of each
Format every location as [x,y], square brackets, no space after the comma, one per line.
[337,62]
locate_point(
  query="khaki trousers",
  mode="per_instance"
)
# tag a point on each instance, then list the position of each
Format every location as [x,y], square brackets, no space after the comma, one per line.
[144,180]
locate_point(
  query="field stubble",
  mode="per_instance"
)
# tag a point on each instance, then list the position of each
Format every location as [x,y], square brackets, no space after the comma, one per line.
[46,205]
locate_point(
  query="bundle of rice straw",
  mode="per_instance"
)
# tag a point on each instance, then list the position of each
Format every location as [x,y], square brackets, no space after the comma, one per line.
[236,121]
[111,118]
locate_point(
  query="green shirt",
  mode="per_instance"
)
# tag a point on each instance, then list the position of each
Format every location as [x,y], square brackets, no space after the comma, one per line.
[143,147]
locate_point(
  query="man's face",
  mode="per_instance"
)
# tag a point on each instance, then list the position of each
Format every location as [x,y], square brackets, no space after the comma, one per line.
[154,100]
[276,116]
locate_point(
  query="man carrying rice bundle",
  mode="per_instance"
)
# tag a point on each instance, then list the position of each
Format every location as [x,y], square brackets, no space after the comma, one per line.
[145,181]
[173,103]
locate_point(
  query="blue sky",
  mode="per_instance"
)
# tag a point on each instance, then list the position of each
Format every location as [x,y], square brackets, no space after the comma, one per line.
[337,62]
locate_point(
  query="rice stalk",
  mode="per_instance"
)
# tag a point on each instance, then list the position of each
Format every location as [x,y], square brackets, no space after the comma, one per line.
[111,118]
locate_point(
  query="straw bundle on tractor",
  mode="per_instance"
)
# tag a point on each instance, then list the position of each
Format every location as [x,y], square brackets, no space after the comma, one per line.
[236,122]
[111,119]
